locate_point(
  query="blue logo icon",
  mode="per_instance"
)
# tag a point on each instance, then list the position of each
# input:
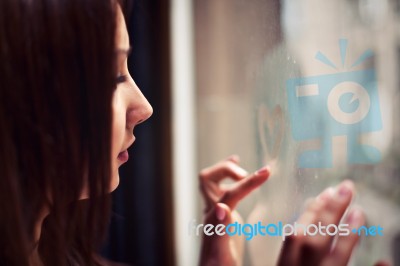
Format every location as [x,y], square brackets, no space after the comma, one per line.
[339,104]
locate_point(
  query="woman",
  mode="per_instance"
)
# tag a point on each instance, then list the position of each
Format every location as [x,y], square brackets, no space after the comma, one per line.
[65,93]
[60,76]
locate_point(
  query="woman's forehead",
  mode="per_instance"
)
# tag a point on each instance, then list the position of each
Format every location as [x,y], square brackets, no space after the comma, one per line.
[122,37]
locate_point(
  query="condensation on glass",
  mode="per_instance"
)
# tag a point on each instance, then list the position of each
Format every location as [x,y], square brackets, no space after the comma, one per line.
[312,88]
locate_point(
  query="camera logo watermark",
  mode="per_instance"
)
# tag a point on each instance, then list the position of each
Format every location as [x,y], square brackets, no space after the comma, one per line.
[280,230]
[339,104]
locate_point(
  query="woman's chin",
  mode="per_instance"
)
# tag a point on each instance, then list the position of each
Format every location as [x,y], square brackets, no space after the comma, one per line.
[113,186]
[114,181]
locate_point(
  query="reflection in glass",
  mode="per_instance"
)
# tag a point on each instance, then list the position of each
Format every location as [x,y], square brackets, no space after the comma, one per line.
[311,88]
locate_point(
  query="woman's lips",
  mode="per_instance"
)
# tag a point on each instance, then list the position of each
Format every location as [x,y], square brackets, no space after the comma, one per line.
[123,156]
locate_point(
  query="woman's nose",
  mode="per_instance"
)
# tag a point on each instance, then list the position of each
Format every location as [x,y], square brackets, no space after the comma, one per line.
[139,112]
[145,112]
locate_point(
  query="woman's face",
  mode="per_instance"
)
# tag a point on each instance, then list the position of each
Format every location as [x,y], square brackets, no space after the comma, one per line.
[129,105]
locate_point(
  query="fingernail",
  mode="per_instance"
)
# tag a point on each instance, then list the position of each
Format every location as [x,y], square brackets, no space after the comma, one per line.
[220,213]
[264,170]
[344,190]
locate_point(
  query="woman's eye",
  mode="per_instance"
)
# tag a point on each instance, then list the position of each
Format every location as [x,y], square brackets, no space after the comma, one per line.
[121,79]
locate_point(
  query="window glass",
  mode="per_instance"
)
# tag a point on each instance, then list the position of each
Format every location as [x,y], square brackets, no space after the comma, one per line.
[312,88]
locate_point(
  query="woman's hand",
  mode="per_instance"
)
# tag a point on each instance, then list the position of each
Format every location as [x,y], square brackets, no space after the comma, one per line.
[328,208]
[220,208]
[298,250]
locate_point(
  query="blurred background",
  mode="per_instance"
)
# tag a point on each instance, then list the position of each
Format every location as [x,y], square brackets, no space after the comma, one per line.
[274,82]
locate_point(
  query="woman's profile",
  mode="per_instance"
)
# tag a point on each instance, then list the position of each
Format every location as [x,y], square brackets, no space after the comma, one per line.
[68,109]
[61,103]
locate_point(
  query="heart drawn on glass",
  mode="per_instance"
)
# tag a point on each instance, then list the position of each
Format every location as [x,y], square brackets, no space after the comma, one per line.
[271,130]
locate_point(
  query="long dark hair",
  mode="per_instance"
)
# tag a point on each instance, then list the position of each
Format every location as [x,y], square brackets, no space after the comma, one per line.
[57,71]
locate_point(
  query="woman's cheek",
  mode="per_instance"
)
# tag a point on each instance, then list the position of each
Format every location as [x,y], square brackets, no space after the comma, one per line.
[118,134]
[115,149]
[115,140]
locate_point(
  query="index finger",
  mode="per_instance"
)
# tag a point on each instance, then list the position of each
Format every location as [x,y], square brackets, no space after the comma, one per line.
[327,210]
[340,254]
[243,187]
[222,170]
